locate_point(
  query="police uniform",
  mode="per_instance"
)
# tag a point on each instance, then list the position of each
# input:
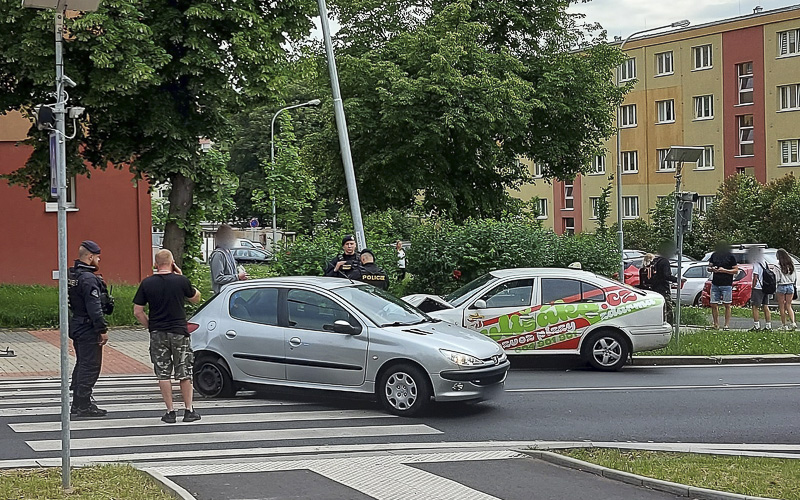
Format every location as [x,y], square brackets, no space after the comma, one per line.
[351,268]
[88,300]
[374,275]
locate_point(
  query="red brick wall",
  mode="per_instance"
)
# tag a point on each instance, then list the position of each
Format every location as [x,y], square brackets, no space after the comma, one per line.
[112,211]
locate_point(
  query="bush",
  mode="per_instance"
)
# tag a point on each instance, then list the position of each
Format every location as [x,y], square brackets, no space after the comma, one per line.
[444,255]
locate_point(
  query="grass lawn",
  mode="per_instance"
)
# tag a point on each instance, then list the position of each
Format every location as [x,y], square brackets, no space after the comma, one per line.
[764,477]
[36,306]
[718,343]
[119,482]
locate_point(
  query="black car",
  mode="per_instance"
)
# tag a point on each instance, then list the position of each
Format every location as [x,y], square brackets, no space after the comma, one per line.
[251,256]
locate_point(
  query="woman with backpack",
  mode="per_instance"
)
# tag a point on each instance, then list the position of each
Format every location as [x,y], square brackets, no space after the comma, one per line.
[786,279]
[764,285]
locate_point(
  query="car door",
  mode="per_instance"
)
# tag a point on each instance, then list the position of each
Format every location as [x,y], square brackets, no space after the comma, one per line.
[567,308]
[695,277]
[254,340]
[314,352]
[504,311]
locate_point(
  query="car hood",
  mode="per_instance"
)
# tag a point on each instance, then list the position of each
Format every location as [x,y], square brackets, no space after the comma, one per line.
[427,303]
[444,335]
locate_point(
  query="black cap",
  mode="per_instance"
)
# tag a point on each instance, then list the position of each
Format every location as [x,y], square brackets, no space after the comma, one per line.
[347,238]
[367,250]
[91,246]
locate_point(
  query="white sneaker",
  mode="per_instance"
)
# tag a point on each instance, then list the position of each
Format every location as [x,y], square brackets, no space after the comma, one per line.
[767,326]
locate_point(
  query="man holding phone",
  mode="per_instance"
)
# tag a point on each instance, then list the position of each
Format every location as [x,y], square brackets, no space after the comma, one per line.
[723,267]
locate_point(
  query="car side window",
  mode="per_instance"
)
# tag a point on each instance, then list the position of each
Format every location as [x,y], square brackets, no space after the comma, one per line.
[312,311]
[515,293]
[255,305]
[696,272]
[566,291]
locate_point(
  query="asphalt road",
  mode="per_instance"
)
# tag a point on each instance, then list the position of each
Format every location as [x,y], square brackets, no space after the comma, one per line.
[243,441]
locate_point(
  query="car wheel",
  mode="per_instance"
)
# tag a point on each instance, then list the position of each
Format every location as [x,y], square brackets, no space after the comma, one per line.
[696,302]
[212,378]
[606,350]
[404,390]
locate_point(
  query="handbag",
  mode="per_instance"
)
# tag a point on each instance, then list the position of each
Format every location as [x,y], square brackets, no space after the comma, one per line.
[794,297]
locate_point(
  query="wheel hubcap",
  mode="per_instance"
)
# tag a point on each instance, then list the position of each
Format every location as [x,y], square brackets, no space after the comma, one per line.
[607,351]
[209,380]
[401,391]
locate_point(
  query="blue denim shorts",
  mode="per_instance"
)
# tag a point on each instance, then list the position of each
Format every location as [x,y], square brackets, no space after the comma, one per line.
[785,289]
[721,294]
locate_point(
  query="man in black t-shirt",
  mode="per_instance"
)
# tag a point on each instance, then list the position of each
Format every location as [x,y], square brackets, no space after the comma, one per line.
[724,267]
[170,348]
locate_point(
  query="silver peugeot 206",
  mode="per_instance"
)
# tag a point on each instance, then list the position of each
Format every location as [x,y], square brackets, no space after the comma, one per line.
[333,334]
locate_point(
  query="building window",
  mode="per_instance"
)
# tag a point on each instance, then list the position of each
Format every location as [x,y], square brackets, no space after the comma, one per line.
[542,205]
[594,200]
[788,42]
[789,97]
[628,113]
[569,199]
[666,111]
[664,63]
[569,226]
[663,165]
[704,107]
[746,135]
[538,171]
[630,207]
[702,204]
[598,165]
[745,72]
[701,57]
[706,162]
[52,202]
[630,162]
[628,70]
[789,152]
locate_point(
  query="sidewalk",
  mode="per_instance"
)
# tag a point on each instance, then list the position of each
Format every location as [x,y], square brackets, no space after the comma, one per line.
[38,353]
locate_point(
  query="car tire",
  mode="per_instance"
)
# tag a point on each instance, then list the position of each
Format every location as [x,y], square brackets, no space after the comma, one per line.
[606,350]
[696,302]
[404,390]
[212,378]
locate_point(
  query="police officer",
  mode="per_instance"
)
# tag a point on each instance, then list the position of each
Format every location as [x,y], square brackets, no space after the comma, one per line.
[89,301]
[371,273]
[348,263]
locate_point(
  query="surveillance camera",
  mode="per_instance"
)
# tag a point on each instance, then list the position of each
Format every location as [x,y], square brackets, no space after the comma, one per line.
[68,81]
[75,112]
[45,117]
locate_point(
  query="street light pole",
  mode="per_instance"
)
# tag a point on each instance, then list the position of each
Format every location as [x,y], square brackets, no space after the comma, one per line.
[341,125]
[313,102]
[620,234]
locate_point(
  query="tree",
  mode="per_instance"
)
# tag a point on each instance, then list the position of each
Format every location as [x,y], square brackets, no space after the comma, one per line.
[444,96]
[155,76]
[738,211]
[603,209]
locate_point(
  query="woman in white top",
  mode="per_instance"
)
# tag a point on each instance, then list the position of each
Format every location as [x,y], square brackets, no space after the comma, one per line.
[401,261]
[786,279]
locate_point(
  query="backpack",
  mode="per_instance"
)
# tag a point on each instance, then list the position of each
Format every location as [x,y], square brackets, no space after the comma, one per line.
[768,282]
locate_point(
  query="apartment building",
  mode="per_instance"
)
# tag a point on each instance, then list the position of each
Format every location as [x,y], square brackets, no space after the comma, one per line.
[731,87]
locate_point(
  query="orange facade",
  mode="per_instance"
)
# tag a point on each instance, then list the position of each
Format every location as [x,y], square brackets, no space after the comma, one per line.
[109,208]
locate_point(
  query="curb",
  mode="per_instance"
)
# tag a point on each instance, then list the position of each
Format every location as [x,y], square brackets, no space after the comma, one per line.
[716,360]
[677,489]
[168,486]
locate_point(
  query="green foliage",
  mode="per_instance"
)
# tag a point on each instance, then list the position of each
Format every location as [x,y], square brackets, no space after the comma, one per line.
[732,342]
[443,97]
[604,208]
[440,247]
[738,211]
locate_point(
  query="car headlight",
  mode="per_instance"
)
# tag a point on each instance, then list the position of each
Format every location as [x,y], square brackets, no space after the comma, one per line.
[461,359]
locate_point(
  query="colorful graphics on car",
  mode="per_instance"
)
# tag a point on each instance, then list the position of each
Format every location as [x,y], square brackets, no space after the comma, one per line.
[561,324]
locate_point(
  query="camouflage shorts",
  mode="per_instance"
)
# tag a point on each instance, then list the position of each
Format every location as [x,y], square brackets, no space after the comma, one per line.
[171,352]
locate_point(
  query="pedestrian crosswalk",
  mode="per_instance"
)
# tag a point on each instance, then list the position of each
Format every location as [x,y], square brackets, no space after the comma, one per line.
[244,426]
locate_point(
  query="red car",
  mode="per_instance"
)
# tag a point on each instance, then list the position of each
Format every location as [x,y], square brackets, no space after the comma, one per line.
[742,286]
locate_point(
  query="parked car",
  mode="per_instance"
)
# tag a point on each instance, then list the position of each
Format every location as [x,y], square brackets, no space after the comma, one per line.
[245,243]
[632,254]
[742,287]
[632,268]
[556,311]
[333,334]
[693,279]
[251,256]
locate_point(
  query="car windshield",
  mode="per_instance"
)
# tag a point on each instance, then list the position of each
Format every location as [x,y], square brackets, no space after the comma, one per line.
[462,294]
[382,308]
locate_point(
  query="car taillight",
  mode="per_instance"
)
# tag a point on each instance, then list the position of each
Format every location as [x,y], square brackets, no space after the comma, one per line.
[683,282]
[191,327]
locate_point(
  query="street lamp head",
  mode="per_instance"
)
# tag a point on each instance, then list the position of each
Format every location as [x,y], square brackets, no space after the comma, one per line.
[680,24]
[314,102]
[82,5]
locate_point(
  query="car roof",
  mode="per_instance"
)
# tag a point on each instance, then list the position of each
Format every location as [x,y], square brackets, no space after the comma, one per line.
[540,271]
[320,281]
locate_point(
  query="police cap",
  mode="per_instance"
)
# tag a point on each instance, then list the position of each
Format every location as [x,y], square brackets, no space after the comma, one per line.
[347,238]
[367,250]
[91,246]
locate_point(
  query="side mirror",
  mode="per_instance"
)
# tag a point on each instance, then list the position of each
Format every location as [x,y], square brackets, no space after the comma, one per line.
[479,304]
[342,326]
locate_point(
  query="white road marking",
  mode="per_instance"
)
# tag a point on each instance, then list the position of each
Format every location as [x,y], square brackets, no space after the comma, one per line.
[244,418]
[149,388]
[655,388]
[234,436]
[101,399]
[40,383]
[217,403]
